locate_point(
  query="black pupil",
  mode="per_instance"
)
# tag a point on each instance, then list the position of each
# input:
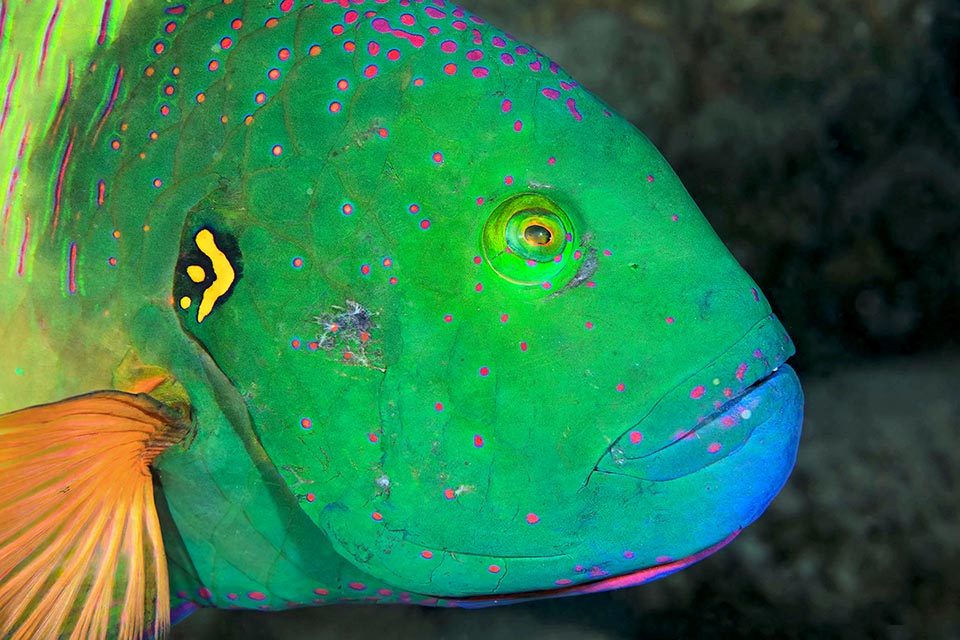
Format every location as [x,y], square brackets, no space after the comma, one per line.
[538,235]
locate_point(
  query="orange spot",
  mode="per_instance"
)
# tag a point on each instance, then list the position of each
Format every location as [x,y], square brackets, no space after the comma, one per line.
[223,119]
[146,228]
[148,71]
[116,233]
[175,71]
[335,107]
[273,74]
[343,84]
[349,46]
[315,50]
[200,98]
[271,23]
[124,126]
[248,120]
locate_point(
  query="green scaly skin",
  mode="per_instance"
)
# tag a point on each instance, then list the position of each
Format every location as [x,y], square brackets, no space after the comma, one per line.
[478,423]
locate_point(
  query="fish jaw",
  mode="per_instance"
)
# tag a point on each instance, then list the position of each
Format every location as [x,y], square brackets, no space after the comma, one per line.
[713,412]
[756,469]
[631,579]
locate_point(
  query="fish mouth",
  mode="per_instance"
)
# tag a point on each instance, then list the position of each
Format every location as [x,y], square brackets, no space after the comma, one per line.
[630,579]
[713,413]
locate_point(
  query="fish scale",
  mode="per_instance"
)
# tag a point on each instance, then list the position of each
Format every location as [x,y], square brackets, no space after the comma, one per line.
[444,328]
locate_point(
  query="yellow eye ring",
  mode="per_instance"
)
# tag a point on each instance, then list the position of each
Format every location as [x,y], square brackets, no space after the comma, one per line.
[528,239]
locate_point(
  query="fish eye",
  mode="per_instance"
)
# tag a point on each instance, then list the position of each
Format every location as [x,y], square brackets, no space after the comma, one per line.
[538,235]
[530,233]
[529,239]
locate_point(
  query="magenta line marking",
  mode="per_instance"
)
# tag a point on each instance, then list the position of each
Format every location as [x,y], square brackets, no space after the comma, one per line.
[9,98]
[382,26]
[23,142]
[113,96]
[104,21]
[23,248]
[3,17]
[64,99]
[46,40]
[72,269]
[6,209]
[63,169]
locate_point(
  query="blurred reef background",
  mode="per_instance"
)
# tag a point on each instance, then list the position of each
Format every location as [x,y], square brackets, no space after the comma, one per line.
[822,140]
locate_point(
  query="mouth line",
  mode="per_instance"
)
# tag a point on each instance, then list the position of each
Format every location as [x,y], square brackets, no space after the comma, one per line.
[719,412]
[630,579]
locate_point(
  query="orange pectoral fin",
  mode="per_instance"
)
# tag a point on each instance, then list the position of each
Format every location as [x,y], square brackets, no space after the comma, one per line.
[81,553]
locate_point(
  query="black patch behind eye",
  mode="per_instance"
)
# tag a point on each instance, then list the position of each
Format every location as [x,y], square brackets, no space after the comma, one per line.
[197,268]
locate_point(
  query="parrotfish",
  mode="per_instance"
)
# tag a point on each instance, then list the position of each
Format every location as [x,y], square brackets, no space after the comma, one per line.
[308,302]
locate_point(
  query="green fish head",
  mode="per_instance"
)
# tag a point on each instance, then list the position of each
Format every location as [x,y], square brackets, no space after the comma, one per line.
[478,323]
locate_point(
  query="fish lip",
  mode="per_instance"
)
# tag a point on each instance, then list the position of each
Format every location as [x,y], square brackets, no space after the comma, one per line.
[623,580]
[765,364]
[711,418]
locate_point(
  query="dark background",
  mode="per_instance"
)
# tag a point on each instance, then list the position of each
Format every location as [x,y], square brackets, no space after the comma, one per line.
[821,138]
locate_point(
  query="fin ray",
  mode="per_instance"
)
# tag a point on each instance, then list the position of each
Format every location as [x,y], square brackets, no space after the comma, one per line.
[81,552]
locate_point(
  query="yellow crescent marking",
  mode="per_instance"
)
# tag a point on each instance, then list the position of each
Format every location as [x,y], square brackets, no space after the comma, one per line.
[222,270]
[196,273]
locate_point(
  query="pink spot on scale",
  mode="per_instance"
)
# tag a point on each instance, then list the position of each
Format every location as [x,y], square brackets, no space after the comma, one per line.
[478,441]
[741,370]
[714,447]
[357,586]
[636,437]
[204,593]
[257,595]
[697,392]
[532,518]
